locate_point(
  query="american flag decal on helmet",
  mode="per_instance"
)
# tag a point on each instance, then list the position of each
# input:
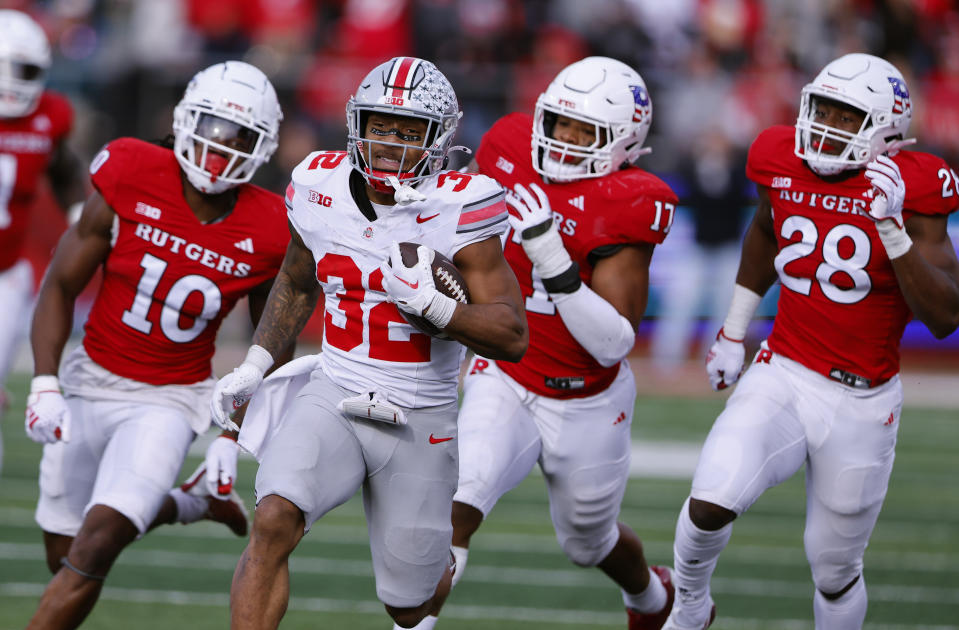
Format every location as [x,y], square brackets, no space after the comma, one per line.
[641,100]
[402,77]
[901,101]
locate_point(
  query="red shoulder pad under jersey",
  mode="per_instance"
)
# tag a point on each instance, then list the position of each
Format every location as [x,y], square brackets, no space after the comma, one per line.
[59,112]
[931,186]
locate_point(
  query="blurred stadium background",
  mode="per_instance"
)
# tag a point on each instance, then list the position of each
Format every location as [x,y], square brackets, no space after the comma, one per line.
[718,72]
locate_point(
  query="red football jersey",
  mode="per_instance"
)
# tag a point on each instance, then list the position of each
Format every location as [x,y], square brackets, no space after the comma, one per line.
[170,280]
[840,307]
[628,206]
[26,145]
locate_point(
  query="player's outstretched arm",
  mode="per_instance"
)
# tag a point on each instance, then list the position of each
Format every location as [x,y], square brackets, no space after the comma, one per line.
[757,271]
[604,316]
[291,300]
[928,274]
[290,303]
[494,323]
[82,248]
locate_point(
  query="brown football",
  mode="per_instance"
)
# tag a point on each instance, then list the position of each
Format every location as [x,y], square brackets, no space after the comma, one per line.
[448,279]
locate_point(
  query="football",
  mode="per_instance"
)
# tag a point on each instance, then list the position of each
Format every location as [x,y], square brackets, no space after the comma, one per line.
[448,279]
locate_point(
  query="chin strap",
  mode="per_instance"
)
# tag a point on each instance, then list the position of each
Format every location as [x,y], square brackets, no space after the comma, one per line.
[404,194]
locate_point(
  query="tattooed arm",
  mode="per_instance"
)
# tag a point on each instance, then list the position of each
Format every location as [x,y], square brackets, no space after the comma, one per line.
[291,301]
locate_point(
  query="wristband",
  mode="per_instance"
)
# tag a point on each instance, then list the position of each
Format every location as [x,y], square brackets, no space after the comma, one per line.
[894,238]
[259,357]
[44,383]
[566,282]
[440,311]
[741,310]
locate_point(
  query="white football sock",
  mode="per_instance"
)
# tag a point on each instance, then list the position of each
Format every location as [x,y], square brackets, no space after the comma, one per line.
[849,611]
[695,554]
[189,508]
[428,623]
[460,554]
[651,600]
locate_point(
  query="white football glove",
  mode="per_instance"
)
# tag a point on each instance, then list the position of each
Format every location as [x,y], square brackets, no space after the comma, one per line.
[883,173]
[724,361]
[47,418]
[535,224]
[413,290]
[236,388]
[221,466]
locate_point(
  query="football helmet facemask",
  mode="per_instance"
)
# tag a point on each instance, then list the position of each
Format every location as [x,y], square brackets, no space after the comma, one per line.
[410,87]
[24,62]
[602,92]
[871,85]
[225,126]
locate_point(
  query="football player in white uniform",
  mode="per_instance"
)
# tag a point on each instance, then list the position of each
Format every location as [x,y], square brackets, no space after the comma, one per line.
[580,248]
[378,410]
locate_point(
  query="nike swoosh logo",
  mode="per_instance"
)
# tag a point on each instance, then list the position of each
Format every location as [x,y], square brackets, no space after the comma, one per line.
[421,219]
[412,285]
[436,440]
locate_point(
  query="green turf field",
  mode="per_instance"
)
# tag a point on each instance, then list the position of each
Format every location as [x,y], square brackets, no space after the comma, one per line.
[179,576]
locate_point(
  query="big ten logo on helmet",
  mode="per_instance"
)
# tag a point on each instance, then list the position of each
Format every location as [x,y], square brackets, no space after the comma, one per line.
[320,198]
[192,251]
[394,100]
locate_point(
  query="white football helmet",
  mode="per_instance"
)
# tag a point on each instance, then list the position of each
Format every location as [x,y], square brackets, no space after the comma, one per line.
[225,126]
[600,91]
[403,86]
[24,61]
[870,84]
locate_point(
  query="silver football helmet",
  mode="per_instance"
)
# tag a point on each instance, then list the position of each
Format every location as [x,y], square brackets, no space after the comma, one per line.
[24,62]
[403,86]
[225,126]
[602,92]
[870,84]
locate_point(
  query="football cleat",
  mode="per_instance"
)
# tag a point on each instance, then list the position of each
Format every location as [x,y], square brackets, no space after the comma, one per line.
[230,511]
[672,625]
[654,621]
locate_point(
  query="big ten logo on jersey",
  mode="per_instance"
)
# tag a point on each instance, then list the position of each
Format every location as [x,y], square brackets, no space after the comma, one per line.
[320,198]
[192,251]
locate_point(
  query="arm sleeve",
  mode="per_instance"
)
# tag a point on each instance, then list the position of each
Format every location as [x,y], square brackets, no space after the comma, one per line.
[596,325]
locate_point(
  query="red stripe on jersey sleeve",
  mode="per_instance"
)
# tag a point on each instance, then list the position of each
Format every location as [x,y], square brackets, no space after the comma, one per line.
[484,213]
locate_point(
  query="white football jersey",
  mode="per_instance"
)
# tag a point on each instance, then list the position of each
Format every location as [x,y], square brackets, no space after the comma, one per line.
[367,345]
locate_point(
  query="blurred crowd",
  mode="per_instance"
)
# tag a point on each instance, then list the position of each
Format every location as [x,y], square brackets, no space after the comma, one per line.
[719,71]
[723,68]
